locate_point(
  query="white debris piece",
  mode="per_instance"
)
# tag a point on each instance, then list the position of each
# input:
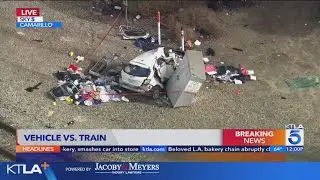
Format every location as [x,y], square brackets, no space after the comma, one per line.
[205,59]
[117,7]
[253,78]
[87,103]
[79,58]
[104,97]
[236,81]
[197,43]
[125,99]
[138,17]
[20,33]
[251,72]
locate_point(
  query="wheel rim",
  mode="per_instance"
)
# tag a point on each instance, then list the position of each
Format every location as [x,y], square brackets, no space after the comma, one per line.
[156,94]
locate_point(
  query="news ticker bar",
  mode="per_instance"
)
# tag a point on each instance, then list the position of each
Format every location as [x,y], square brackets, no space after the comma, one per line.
[159,149]
[166,137]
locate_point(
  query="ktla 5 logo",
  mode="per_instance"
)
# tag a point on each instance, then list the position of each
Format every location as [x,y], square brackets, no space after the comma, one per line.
[24,169]
[294,135]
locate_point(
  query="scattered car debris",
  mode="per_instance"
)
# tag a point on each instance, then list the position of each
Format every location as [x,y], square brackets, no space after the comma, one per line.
[150,73]
[30,89]
[79,58]
[123,98]
[138,16]
[304,82]
[21,33]
[71,54]
[70,123]
[237,92]
[117,8]
[147,44]
[230,74]
[100,68]
[210,52]
[197,43]
[237,49]
[236,81]
[134,34]
[205,59]
[210,69]
[75,87]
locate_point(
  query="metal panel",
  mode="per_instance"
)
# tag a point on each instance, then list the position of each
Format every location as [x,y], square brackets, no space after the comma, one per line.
[186,80]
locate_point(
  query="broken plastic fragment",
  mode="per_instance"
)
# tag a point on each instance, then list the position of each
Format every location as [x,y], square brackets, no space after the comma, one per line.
[71,53]
[69,99]
[117,7]
[197,43]
[88,103]
[251,72]
[205,59]
[104,97]
[125,99]
[253,78]
[20,33]
[236,81]
[80,58]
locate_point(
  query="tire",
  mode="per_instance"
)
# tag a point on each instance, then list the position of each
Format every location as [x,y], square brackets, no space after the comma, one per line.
[156,92]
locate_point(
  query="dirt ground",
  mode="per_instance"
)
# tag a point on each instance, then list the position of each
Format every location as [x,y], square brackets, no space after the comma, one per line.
[280,40]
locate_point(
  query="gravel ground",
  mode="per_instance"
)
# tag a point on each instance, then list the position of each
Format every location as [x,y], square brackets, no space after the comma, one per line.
[274,50]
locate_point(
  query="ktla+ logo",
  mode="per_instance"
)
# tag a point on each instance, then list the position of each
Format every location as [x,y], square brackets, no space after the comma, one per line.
[16,169]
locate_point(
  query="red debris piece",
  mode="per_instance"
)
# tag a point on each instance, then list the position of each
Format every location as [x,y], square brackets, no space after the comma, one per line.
[210,69]
[73,68]
[244,70]
[237,92]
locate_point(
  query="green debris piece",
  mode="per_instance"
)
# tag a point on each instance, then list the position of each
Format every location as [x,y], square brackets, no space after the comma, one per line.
[304,82]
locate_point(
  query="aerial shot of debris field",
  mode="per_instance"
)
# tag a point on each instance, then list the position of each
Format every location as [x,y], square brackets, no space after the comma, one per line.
[161,65]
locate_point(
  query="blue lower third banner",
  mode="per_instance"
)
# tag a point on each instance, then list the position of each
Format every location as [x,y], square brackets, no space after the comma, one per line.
[38,24]
[158,171]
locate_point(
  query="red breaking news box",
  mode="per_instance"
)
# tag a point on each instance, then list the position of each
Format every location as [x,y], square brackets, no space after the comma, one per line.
[27,11]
